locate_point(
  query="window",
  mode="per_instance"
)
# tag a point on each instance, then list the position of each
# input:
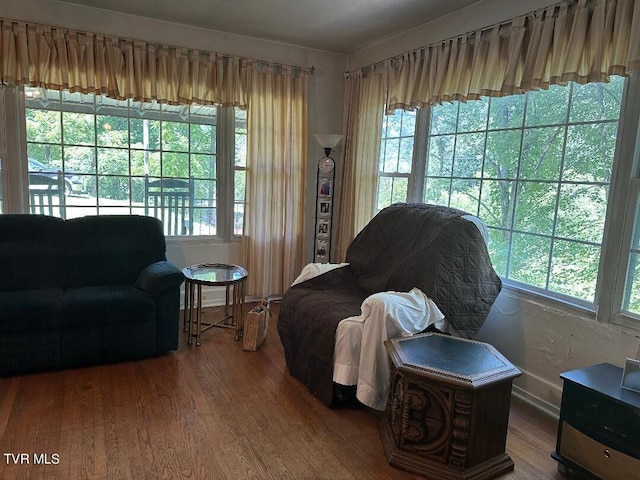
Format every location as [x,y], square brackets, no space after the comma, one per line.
[536,168]
[396,154]
[109,151]
[631,300]
[240,170]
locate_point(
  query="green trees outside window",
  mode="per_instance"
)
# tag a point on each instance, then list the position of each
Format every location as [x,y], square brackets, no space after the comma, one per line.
[112,146]
[536,168]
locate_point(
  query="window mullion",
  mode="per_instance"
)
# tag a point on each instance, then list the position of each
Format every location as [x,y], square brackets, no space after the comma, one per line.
[419,161]
[225,153]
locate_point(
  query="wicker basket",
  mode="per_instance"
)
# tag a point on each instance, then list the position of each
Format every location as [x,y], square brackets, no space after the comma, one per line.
[255,327]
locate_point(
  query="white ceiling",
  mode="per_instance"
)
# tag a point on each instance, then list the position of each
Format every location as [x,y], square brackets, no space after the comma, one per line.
[341,26]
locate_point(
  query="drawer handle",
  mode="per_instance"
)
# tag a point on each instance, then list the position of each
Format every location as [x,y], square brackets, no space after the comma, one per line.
[607,454]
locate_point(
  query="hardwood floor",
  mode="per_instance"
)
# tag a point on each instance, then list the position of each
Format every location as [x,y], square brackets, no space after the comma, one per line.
[209,412]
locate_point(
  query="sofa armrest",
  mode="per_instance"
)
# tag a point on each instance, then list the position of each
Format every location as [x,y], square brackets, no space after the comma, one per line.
[158,277]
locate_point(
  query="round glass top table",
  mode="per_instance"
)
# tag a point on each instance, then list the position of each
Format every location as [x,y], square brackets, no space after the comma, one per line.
[232,277]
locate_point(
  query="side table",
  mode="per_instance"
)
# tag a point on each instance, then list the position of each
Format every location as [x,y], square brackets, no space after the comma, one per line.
[599,425]
[448,408]
[232,277]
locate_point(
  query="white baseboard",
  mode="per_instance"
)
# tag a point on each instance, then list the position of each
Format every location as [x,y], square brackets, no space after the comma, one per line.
[213,297]
[538,392]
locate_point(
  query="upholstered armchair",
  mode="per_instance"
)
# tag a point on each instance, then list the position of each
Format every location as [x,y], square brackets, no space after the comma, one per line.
[437,250]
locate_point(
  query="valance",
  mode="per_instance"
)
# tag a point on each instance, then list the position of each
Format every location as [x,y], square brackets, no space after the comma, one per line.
[58,58]
[582,41]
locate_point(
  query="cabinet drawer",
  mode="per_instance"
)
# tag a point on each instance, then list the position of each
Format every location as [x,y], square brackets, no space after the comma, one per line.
[599,459]
[609,421]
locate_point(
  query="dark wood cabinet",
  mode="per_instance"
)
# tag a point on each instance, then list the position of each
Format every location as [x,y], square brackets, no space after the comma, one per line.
[599,425]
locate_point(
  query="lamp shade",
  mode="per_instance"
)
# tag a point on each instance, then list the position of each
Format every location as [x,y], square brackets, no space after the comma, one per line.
[328,141]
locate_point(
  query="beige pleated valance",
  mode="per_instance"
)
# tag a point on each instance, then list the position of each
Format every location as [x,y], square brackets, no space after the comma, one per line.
[57,58]
[582,41]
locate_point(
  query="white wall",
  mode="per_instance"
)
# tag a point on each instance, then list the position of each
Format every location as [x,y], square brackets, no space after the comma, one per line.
[326,88]
[545,338]
[479,15]
[542,337]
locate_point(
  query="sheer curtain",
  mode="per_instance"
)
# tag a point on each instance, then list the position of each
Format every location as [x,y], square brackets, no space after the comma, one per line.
[273,241]
[365,94]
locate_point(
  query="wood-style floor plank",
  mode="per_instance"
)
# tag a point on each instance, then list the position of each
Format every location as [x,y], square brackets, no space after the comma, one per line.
[211,412]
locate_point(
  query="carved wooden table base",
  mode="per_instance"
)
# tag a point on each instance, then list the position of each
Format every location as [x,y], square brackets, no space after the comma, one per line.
[448,408]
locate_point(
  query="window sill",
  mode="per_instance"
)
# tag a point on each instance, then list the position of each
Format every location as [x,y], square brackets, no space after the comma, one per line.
[623,321]
[200,240]
[561,303]
[627,321]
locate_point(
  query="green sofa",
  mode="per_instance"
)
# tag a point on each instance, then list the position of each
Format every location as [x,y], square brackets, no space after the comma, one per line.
[84,291]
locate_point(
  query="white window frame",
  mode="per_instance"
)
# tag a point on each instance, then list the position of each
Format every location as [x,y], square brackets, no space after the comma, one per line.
[622,212]
[415,185]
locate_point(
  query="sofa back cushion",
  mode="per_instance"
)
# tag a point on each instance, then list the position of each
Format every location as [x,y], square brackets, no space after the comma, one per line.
[31,252]
[111,249]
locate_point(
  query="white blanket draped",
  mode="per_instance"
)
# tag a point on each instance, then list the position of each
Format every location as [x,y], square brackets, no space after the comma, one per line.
[360,355]
[311,270]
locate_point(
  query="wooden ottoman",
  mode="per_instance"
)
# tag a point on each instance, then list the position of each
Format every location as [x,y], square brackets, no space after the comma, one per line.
[448,407]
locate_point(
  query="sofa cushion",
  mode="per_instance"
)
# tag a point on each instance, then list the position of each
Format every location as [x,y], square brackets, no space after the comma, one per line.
[106,343]
[112,304]
[31,252]
[24,352]
[111,249]
[30,310]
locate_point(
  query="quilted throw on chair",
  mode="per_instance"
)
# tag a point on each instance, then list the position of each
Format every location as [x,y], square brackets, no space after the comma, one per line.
[429,247]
